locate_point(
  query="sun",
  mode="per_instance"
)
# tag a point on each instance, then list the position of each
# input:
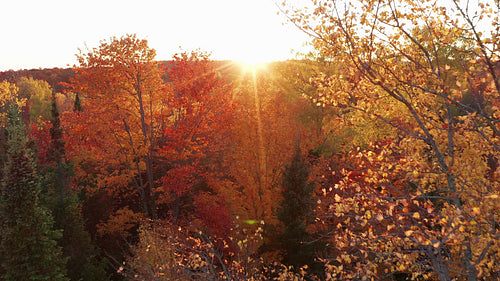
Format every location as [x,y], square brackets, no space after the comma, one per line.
[252,67]
[251,57]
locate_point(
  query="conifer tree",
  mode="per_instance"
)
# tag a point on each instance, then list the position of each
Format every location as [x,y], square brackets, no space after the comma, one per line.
[77,105]
[56,149]
[76,244]
[28,244]
[295,214]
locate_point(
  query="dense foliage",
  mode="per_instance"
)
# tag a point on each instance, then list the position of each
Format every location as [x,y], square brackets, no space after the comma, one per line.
[28,243]
[374,157]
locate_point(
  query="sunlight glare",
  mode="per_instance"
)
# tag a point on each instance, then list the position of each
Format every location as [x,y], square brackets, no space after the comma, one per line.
[252,66]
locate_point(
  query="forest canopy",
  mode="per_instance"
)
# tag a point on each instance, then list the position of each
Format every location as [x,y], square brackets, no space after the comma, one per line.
[374,157]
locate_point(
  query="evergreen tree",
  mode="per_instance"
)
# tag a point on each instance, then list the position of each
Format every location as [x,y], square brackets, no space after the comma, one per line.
[295,213]
[56,151]
[83,263]
[28,244]
[77,105]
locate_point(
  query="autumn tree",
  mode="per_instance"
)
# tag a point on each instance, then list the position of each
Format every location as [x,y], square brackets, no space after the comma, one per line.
[27,239]
[8,96]
[270,114]
[264,133]
[38,94]
[168,251]
[172,252]
[122,91]
[432,194]
[138,136]
[194,143]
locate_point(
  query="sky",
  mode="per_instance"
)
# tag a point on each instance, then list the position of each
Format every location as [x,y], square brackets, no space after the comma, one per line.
[48,33]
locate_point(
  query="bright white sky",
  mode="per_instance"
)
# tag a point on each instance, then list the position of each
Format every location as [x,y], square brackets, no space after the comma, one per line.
[48,33]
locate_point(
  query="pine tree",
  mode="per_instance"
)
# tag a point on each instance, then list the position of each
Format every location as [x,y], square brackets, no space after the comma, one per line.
[28,244]
[295,214]
[83,263]
[56,151]
[77,105]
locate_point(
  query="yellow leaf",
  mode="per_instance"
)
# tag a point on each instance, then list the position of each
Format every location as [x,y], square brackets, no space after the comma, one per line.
[337,198]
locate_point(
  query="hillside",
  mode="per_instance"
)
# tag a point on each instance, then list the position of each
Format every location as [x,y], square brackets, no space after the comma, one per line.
[54,76]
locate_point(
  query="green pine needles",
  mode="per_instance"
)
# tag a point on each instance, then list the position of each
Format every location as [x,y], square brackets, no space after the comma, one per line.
[28,247]
[295,213]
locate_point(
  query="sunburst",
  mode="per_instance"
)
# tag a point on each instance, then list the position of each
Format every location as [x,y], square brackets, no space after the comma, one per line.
[252,66]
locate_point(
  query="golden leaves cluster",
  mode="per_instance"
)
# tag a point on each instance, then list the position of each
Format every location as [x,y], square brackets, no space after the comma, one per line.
[429,73]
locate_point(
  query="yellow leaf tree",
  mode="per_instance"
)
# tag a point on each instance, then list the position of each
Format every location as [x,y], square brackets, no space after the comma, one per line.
[424,203]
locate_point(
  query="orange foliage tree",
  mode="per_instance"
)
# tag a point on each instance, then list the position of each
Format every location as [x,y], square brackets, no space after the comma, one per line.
[265,132]
[195,142]
[153,133]
[117,132]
